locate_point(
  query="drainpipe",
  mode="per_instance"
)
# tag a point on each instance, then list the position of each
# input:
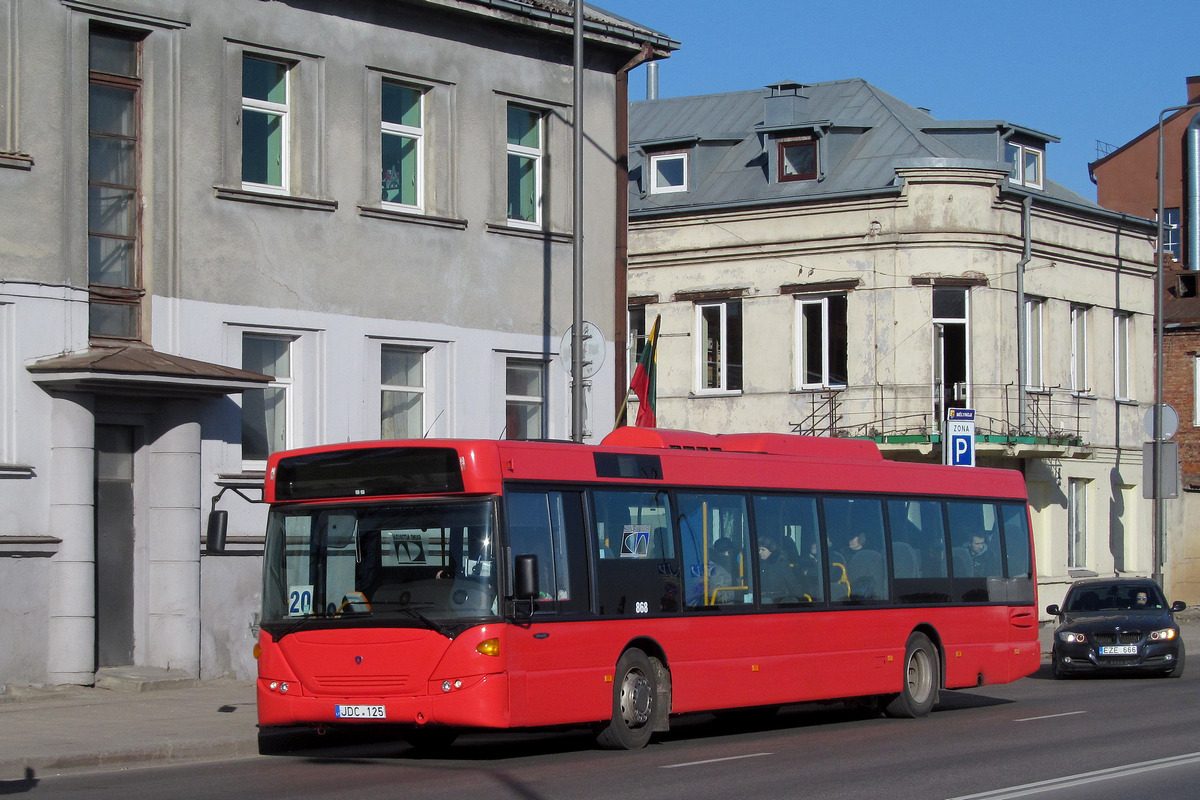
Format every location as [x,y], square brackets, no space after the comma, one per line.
[1026,256]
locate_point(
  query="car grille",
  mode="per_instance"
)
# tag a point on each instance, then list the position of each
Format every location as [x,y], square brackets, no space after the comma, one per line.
[1119,661]
[1118,637]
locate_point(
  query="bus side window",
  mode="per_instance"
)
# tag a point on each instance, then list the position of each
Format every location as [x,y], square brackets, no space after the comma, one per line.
[919,551]
[549,525]
[854,525]
[975,547]
[715,542]
[636,568]
[1018,559]
[793,522]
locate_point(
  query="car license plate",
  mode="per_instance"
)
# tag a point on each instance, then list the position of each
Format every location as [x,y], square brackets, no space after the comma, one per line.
[360,712]
[1119,650]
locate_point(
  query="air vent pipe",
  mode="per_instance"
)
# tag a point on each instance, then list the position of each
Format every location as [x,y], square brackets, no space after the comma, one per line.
[1192,254]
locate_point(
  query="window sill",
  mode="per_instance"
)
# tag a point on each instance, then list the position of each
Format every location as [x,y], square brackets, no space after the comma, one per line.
[16,161]
[837,387]
[281,200]
[29,546]
[16,471]
[701,395]
[529,233]
[414,217]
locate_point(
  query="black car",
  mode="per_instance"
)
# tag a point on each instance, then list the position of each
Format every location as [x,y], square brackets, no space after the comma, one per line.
[1117,625]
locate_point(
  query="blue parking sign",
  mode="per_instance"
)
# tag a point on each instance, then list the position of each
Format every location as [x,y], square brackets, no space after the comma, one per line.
[959,444]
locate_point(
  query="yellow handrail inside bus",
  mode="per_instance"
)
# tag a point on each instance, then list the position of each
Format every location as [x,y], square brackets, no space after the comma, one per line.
[845,579]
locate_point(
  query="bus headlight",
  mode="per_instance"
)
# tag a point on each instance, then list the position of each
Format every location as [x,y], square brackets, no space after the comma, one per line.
[1070,637]
[1165,635]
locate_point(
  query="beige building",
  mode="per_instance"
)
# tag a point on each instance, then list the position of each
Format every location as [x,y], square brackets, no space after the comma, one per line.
[829,260]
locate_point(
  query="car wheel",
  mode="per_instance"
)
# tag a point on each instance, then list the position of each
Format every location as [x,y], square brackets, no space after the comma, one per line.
[1177,670]
[922,674]
[635,699]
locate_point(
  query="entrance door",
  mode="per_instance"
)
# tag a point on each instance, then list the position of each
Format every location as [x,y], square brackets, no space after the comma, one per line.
[114,545]
[950,354]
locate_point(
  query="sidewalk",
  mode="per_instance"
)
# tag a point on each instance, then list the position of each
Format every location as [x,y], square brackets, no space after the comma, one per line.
[151,717]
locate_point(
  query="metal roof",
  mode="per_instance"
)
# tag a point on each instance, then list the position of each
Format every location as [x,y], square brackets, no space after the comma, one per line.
[867,133]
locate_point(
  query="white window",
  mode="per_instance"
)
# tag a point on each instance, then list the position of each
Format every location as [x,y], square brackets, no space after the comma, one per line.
[668,173]
[1080,380]
[1121,325]
[402,145]
[265,124]
[637,336]
[1077,523]
[266,412]
[1025,163]
[1033,344]
[1171,232]
[524,399]
[821,338]
[403,383]
[719,346]
[524,197]
[1195,390]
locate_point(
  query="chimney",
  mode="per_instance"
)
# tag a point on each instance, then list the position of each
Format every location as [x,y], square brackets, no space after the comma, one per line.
[1193,89]
[786,105]
[652,80]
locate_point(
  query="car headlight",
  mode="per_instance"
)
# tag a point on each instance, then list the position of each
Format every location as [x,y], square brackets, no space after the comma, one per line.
[1071,637]
[1165,635]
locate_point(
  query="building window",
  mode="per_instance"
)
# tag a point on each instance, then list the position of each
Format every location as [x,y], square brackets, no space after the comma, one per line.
[1033,344]
[1121,387]
[1025,164]
[668,173]
[1077,523]
[266,412]
[403,391]
[798,159]
[1080,380]
[821,342]
[114,219]
[524,399]
[719,327]
[1170,232]
[637,336]
[402,144]
[1195,391]
[524,165]
[265,124]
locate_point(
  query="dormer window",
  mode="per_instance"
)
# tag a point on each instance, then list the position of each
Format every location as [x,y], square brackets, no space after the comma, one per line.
[1026,164]
[668,172]
[798,159]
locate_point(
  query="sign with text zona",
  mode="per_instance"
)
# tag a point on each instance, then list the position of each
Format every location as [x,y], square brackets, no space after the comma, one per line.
[958,448]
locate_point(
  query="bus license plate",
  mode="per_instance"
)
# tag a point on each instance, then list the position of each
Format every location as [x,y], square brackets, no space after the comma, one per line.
[1119,650]
[360,712]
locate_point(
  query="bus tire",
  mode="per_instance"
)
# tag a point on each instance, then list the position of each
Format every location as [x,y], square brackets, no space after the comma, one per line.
[919,691]
[635,693]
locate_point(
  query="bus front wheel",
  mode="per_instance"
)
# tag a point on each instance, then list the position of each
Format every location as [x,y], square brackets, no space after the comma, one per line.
[635,693]
[919,691]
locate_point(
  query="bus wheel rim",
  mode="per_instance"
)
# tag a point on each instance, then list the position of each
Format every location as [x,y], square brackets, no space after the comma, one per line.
[920,676]
[636,699]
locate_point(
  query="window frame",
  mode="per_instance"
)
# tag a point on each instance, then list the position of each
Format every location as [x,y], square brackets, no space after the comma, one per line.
[270,108]
[415,134]
[798,141]
[1080,372]
[127,297]
[425,353]
[724,366]
[536,155]
[1077,540]
[1122,323]
[654,159]
[1017,155]
[1172,244]
[801,343]
[1035,333]
[514,401]
[286,385]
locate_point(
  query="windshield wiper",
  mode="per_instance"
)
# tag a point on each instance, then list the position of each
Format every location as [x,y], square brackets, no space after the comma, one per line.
[427,622]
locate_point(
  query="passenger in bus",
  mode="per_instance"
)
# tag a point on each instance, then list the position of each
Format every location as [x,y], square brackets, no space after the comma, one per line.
[867,570]
[778,583]
[985,562]
[808,571]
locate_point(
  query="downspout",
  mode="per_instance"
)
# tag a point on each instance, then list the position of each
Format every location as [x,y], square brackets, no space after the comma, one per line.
[1026,257]
[621,255]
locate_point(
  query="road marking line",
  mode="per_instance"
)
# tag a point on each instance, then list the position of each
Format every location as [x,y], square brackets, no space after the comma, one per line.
[713,761]
[1082,778]
[1050,716]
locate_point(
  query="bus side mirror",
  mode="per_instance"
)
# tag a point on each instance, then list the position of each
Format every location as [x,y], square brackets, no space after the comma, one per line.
[218,524]
[526,577]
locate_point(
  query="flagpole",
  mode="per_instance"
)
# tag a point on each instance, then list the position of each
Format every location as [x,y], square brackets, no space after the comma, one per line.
[648,356]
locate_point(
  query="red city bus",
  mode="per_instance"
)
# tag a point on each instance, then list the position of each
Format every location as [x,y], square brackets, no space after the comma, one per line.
[444,585]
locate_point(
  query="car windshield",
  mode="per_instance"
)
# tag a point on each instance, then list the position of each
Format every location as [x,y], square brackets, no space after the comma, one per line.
[1115,596]
[427,563]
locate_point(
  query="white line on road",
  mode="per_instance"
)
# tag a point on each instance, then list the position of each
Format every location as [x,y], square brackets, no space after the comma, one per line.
[1082,778]
[1050,716]
[713,761]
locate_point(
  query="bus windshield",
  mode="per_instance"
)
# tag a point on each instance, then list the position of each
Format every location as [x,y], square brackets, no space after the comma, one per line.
[417,563]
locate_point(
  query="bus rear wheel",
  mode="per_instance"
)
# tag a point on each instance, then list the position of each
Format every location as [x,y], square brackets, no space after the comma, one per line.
[919,691]
[635,695]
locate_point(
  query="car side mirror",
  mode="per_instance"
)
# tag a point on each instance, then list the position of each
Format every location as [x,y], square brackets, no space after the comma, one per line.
[218,524]
[1053,610]
[1178,606]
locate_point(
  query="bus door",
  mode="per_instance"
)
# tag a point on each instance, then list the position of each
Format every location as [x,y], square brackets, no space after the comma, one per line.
[548,658]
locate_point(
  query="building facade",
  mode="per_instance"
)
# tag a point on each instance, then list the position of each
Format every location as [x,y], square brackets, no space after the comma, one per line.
[827,259]
[229,227]
[1127,181]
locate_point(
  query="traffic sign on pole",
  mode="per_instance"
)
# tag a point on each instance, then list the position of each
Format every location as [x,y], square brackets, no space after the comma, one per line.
[958,447]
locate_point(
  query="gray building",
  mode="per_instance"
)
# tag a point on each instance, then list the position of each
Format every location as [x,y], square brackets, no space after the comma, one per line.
[229,227]
[828,259]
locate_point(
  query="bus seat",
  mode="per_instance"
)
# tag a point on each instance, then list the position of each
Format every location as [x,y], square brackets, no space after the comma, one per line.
[905,561]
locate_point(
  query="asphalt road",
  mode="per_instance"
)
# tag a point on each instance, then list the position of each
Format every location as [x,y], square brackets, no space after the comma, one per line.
[1058,740]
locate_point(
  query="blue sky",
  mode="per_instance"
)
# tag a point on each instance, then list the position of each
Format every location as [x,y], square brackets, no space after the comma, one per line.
[1082,71]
